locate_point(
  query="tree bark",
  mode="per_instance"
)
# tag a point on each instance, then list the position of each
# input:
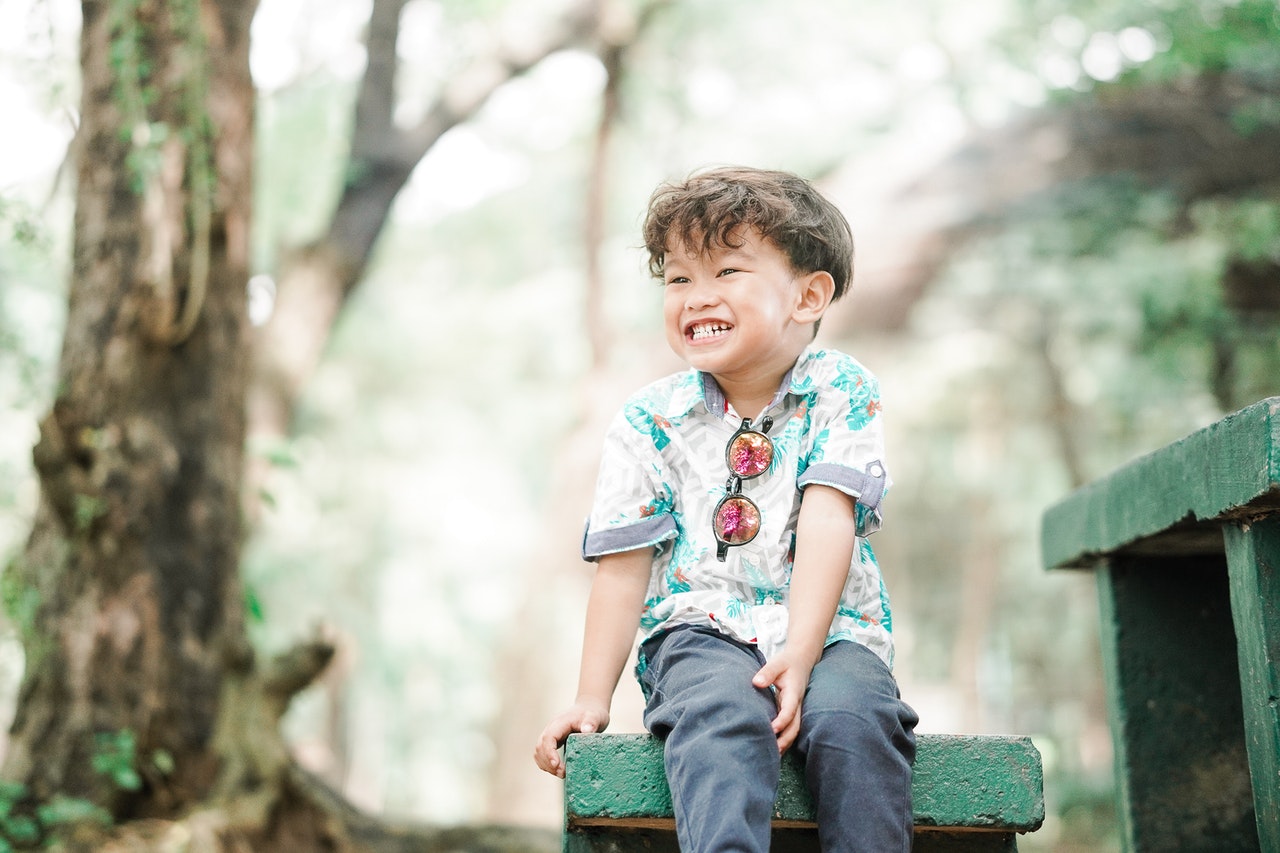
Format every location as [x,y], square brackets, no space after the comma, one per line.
[128,583]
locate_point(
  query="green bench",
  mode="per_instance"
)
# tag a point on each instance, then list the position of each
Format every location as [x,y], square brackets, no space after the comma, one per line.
[1185,546]
[971,794]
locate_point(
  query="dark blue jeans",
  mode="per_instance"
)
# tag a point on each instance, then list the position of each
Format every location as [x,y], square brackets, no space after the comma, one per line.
[721,755]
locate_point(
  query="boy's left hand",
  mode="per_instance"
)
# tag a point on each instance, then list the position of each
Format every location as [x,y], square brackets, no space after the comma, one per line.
[791,678]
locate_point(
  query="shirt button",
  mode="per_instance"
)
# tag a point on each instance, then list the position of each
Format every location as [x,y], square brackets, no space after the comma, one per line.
[770,600]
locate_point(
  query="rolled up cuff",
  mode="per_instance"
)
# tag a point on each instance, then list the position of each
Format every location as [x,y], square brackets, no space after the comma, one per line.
[865,487]
[647,532]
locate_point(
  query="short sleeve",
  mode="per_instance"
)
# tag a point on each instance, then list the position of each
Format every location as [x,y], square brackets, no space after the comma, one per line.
[847,452]
[632,507]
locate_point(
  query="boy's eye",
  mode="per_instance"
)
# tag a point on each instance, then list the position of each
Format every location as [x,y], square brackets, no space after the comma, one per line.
[677,279]
[728,271]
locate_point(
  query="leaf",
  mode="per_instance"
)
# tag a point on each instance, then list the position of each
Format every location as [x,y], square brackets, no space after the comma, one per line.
[253,607]
[11,792]
[22,830]
[114,758]
[163,761]
[63,810]
[127,778]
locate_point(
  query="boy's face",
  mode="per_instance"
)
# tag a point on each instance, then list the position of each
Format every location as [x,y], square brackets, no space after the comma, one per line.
[738,313]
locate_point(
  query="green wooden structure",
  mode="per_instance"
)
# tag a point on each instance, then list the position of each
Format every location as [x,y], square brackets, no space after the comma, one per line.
[1185,544]
[971,794]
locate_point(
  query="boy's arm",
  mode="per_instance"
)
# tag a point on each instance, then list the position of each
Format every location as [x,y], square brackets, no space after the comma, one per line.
[825,535]
[613,617]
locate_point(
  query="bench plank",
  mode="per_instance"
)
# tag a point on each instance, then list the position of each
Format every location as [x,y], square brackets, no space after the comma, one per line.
[965,782]
[1230,469]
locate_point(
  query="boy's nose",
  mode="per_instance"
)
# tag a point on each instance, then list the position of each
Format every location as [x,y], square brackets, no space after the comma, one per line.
[701,295]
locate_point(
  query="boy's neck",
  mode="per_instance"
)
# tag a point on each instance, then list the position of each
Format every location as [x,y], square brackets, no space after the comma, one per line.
[749,398]
[751,390]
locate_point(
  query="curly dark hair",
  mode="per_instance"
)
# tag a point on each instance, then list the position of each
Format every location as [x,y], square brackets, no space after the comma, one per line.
[704,210]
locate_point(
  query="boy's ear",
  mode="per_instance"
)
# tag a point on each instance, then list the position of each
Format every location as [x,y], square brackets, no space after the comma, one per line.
[816,292]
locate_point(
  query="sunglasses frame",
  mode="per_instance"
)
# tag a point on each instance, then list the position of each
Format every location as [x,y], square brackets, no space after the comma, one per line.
[733,485]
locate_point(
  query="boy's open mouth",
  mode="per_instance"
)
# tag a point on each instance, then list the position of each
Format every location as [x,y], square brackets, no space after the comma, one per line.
[706,331]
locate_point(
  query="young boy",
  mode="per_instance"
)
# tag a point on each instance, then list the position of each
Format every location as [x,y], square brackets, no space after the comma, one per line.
[729,523]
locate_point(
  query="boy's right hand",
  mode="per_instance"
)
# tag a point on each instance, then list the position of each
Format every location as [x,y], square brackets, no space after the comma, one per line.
[584,717]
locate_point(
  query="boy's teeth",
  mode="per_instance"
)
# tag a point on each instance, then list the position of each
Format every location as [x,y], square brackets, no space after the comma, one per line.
[706,330]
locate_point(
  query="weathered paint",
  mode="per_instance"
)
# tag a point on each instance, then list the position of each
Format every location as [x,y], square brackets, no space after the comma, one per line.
[1169,656]
[1186,541]
[960,781]
[1253,559]
[1227,469]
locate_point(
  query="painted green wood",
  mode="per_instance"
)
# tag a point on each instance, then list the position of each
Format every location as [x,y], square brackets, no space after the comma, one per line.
[1228,469]
[960,781]
[1174,701]
[1186,541]
[1253,559]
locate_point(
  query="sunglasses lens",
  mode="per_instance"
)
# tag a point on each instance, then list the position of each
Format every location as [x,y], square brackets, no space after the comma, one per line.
[737,520]
[750,454]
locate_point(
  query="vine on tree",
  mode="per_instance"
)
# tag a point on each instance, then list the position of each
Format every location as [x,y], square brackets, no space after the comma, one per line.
[133,26]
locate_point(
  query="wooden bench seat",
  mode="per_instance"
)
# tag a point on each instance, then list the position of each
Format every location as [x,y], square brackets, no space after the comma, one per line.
[970,793]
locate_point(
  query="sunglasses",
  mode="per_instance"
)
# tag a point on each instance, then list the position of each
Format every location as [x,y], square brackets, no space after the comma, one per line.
[736,519]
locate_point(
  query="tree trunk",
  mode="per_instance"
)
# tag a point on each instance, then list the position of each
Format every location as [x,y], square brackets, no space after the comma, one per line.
[141,694]
[127,591]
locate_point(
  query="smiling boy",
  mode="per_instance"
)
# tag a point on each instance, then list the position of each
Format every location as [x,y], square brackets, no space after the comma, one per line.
[730,523]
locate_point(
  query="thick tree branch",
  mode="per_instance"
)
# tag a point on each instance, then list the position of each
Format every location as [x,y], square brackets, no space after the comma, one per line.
[384,157]
[468,91]
[376,101]
[315,281]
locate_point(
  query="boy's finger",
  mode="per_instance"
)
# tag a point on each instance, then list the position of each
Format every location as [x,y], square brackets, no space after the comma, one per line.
[765,676]
[548,759]
[786,713]
[788,737]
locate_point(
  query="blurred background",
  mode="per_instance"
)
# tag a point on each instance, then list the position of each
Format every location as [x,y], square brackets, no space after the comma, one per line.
[1068,255]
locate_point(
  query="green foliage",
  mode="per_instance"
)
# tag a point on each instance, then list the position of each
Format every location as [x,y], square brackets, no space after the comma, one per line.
[26,242]
[26,824]
[16,828]
[1248,227]
[21,600]
[61,811]
[86,510]
[115,757]
[253,606]
[22,223]
[134,93]
[162,760]
[1210,37]
[138,94]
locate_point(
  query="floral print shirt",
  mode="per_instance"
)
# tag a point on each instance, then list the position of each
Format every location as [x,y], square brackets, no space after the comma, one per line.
[663,471]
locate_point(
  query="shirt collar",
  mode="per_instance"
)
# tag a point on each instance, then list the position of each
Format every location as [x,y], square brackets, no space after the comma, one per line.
[698,387]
